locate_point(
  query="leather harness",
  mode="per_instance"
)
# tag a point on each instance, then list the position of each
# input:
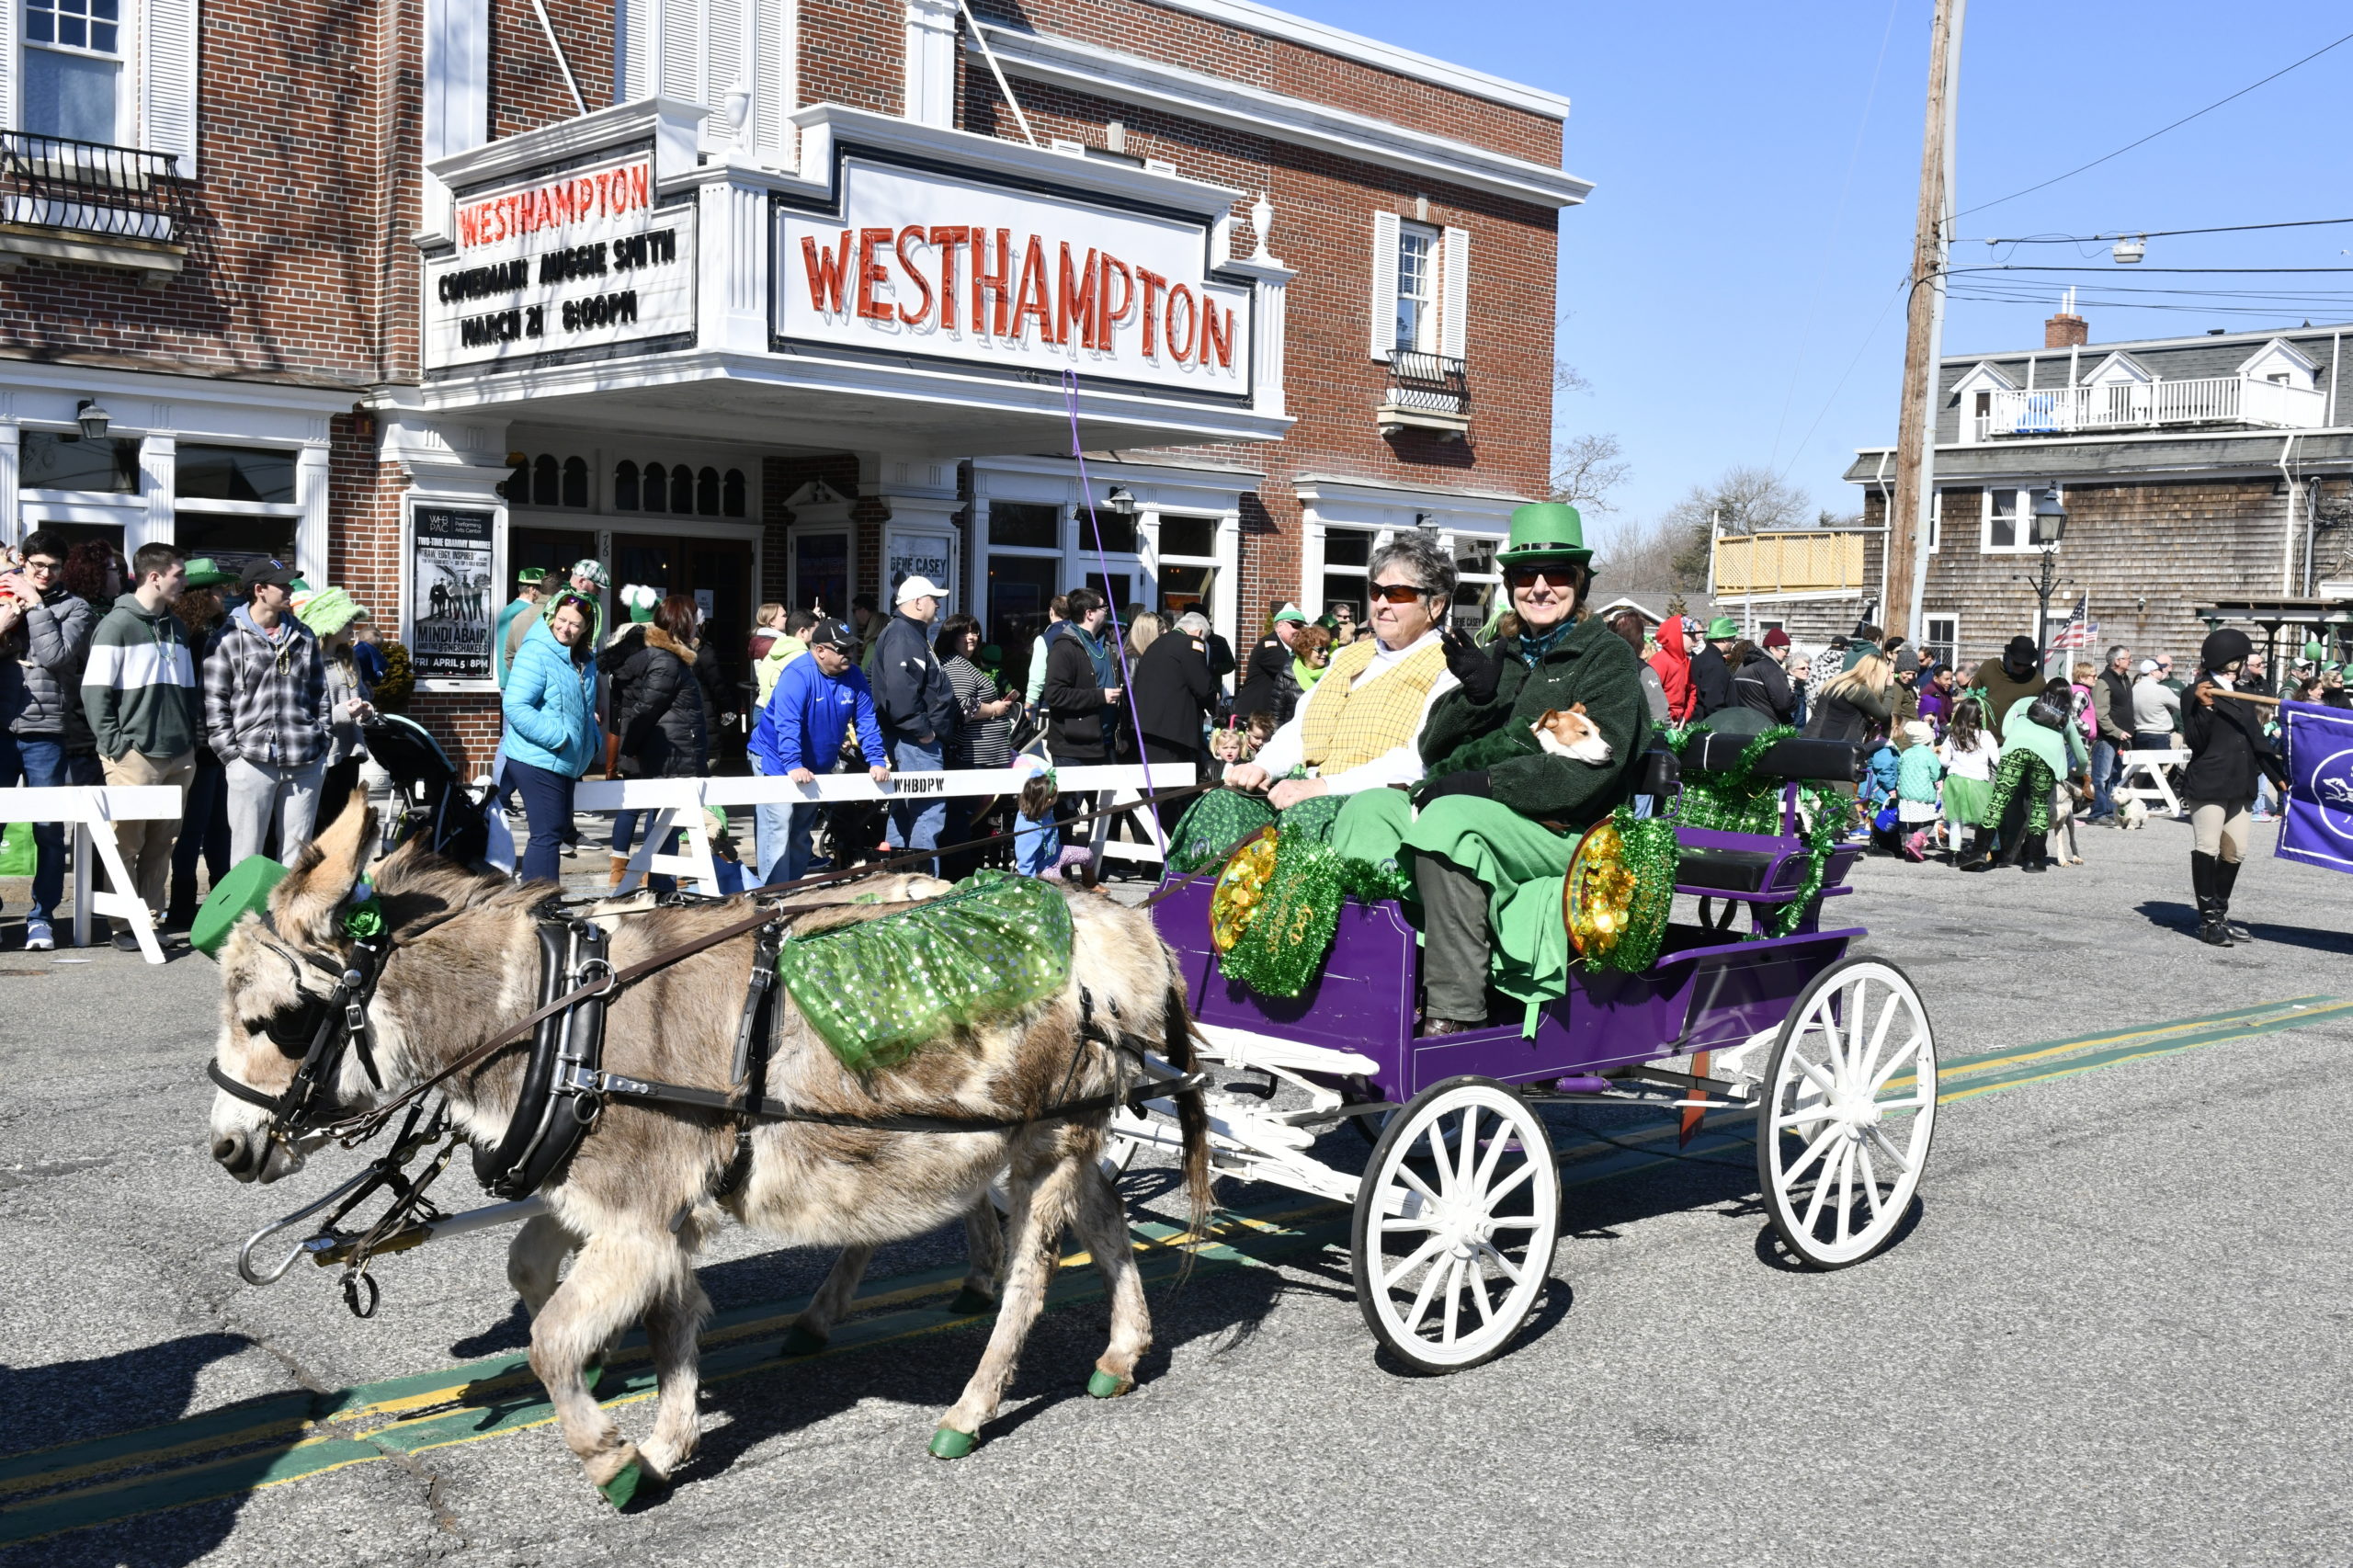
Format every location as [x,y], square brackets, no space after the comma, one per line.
[565,1083]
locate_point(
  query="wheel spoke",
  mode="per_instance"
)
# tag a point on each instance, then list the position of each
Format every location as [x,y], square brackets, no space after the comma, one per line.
[1917,1102]
[1823,1079]
[1509,1185]
[1824,1183]
[1422,1298]
[1497,1148]
[1517,1221]
[1478,1283]
[1404,1172]
[1902,1163]
[1438,1156]
[1395,1278]
[1390,1227]
[1858,1000]
[1870,1181]
[1863,1069]
[1469,1153]
[1814,1152]
[1453,1300]
[1903,1053]
[1845,1192]
[1511,1269]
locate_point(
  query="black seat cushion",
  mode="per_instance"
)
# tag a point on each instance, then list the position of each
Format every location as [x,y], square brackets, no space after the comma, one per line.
[1731,870]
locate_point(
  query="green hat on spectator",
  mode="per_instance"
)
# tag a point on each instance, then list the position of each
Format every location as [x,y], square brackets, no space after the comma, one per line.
[640,601]
[532,577]
[1723,629]
[329,610]
[205,573]
[1546,531]
[1292,613]
[245,891]
[592,569]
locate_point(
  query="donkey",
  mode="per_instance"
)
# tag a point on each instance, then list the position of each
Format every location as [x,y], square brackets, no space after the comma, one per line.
[639,1194]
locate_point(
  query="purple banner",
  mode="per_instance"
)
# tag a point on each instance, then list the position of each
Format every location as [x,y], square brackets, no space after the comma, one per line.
[2318,823]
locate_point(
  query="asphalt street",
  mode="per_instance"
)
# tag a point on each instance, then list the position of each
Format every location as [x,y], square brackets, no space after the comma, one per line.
[2118,1332]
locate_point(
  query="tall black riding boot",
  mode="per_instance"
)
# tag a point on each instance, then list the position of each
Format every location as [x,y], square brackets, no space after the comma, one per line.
[2226,876]
[2034,855]
[2210,928]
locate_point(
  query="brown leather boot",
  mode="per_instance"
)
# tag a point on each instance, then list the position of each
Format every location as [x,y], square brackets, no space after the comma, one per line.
[620,870]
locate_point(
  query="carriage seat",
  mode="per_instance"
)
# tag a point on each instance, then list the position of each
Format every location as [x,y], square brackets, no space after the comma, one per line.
[1725,871]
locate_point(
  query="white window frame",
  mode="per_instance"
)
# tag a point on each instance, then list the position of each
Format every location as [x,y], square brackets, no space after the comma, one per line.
[1453,540]
[707,51]
[1936,521]
[1430,301]
[1951,619]
[155,95]
[1220,585]
[124,57]
[2022,530]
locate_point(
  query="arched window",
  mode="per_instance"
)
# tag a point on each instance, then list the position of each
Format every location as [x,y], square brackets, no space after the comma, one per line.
[575,482]
[682,490]
[657,488]
[732,505]
[517,489]
[706,493]
[625,488]
[544,482]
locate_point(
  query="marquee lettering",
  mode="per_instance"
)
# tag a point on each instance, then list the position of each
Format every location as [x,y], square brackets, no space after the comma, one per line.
[611,193]
[1010,289]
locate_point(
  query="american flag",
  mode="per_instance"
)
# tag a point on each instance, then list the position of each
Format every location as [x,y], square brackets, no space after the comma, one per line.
[2079,630]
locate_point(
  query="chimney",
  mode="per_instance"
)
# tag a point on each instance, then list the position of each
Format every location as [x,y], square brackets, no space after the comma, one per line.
[2066,330]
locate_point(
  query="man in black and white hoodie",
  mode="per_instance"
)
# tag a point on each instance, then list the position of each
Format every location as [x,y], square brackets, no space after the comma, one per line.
[266,715]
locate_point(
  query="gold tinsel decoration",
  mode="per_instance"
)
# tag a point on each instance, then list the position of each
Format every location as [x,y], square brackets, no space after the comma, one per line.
[1241,888]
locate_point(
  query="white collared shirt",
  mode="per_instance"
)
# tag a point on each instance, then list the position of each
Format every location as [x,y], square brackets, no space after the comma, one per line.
[1286,748]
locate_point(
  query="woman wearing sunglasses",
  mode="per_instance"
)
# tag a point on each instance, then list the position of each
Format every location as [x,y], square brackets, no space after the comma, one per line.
[1501,814]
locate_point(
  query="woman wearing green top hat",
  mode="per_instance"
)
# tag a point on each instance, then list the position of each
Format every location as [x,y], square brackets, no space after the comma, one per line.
[1500,814]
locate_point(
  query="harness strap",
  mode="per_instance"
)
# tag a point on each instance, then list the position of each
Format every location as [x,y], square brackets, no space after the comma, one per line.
[764,1109]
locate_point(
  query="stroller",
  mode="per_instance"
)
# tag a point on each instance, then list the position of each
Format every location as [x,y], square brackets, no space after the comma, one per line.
[434,804]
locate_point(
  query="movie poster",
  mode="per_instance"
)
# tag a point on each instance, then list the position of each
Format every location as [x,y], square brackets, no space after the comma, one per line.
[451,613]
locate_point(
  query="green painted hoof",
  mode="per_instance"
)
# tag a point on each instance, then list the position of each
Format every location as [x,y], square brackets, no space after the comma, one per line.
[1108,1385]
[623,1486]
[798,1341]
[970,1302]
[949,1444]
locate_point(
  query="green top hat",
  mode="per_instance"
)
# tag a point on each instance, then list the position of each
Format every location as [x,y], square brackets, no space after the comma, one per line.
[245,891]
[1723,629]
[1546,531]
[533,576]
[205,573]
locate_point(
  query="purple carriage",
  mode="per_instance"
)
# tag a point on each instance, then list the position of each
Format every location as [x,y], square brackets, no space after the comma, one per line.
[1457,1209]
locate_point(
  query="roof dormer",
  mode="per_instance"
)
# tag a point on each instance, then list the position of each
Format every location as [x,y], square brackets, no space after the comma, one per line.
[1984,376]
[2117,369]
[2281,363]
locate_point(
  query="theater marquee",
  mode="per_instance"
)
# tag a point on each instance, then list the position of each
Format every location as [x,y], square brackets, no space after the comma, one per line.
[914,261]
[583,259]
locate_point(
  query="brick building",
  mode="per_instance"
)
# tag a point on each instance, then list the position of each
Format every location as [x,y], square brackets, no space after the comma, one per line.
[2191,470]
[768,299]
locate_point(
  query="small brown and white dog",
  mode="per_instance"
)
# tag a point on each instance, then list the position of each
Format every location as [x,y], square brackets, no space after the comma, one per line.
[1568,732]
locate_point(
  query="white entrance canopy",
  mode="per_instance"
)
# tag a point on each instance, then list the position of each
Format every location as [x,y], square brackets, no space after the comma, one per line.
[910,287]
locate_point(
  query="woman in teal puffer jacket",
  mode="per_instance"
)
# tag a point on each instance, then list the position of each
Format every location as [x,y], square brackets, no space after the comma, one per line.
[551,710]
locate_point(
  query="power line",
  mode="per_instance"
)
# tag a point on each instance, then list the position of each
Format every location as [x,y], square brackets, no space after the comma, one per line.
[2151,233]
[2153,135]
[2139,271]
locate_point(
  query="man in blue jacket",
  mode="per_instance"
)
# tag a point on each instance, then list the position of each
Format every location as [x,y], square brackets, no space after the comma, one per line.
[817,700]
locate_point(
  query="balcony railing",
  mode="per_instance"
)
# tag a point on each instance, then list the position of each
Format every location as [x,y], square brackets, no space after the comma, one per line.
[1428,383]
[88,188]
[2128,405]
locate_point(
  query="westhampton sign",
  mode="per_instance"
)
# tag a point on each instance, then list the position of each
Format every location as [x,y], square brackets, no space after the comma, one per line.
[581,259]
[914,261]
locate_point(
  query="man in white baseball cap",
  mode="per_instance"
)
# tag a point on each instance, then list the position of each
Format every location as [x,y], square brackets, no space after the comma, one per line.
[918,708]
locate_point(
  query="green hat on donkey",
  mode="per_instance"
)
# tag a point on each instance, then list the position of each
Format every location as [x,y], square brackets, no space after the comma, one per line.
[1545,530]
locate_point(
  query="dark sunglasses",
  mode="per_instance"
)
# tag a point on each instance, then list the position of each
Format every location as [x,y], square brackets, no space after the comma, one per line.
[1399,593]
[1559,574]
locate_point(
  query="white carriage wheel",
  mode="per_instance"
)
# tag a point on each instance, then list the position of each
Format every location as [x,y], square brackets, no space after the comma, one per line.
[1850,1102]
[1455,1220]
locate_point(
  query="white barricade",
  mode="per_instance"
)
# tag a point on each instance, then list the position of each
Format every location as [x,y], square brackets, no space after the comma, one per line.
[93,809]
[678,804]
[2150,768]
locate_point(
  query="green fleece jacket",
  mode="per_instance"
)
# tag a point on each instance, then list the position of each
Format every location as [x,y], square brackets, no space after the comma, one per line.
[1592,665]
[139,686]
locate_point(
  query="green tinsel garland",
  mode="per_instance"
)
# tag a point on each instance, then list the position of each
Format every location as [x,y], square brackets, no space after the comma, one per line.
[1283,948]
[1649,856]
[1735,801]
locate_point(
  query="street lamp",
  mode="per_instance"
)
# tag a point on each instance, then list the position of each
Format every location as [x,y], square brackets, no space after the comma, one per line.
[92,419]
[2048,528]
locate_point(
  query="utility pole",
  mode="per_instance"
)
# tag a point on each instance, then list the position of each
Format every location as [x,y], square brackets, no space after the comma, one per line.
[1916,446]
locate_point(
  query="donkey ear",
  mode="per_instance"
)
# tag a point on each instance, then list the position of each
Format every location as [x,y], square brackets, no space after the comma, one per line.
[306,903]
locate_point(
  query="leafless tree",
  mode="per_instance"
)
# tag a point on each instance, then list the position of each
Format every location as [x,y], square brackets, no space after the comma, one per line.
[1586,468]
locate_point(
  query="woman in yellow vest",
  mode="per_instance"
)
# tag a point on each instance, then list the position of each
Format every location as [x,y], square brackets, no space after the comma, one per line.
[1357,732]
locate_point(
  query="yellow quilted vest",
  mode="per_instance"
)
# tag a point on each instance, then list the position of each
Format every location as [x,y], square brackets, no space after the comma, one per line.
[1347,725]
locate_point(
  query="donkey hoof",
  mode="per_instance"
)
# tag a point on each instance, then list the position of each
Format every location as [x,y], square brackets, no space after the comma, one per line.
[798,1341]
[1108,1385]
[969,1302]
[949,1444]
[623,1485]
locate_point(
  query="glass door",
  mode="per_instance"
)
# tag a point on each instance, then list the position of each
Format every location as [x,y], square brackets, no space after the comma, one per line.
[716,574]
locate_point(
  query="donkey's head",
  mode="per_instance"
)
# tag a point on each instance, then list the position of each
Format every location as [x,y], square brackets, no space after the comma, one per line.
[278,969]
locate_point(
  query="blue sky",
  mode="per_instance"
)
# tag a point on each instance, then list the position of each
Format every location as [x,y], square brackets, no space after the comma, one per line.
[1732,288]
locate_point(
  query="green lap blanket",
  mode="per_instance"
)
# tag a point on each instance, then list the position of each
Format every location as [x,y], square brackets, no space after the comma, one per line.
[878,990]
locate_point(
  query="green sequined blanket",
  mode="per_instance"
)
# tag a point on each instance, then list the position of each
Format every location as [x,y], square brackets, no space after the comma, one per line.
[878,990]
